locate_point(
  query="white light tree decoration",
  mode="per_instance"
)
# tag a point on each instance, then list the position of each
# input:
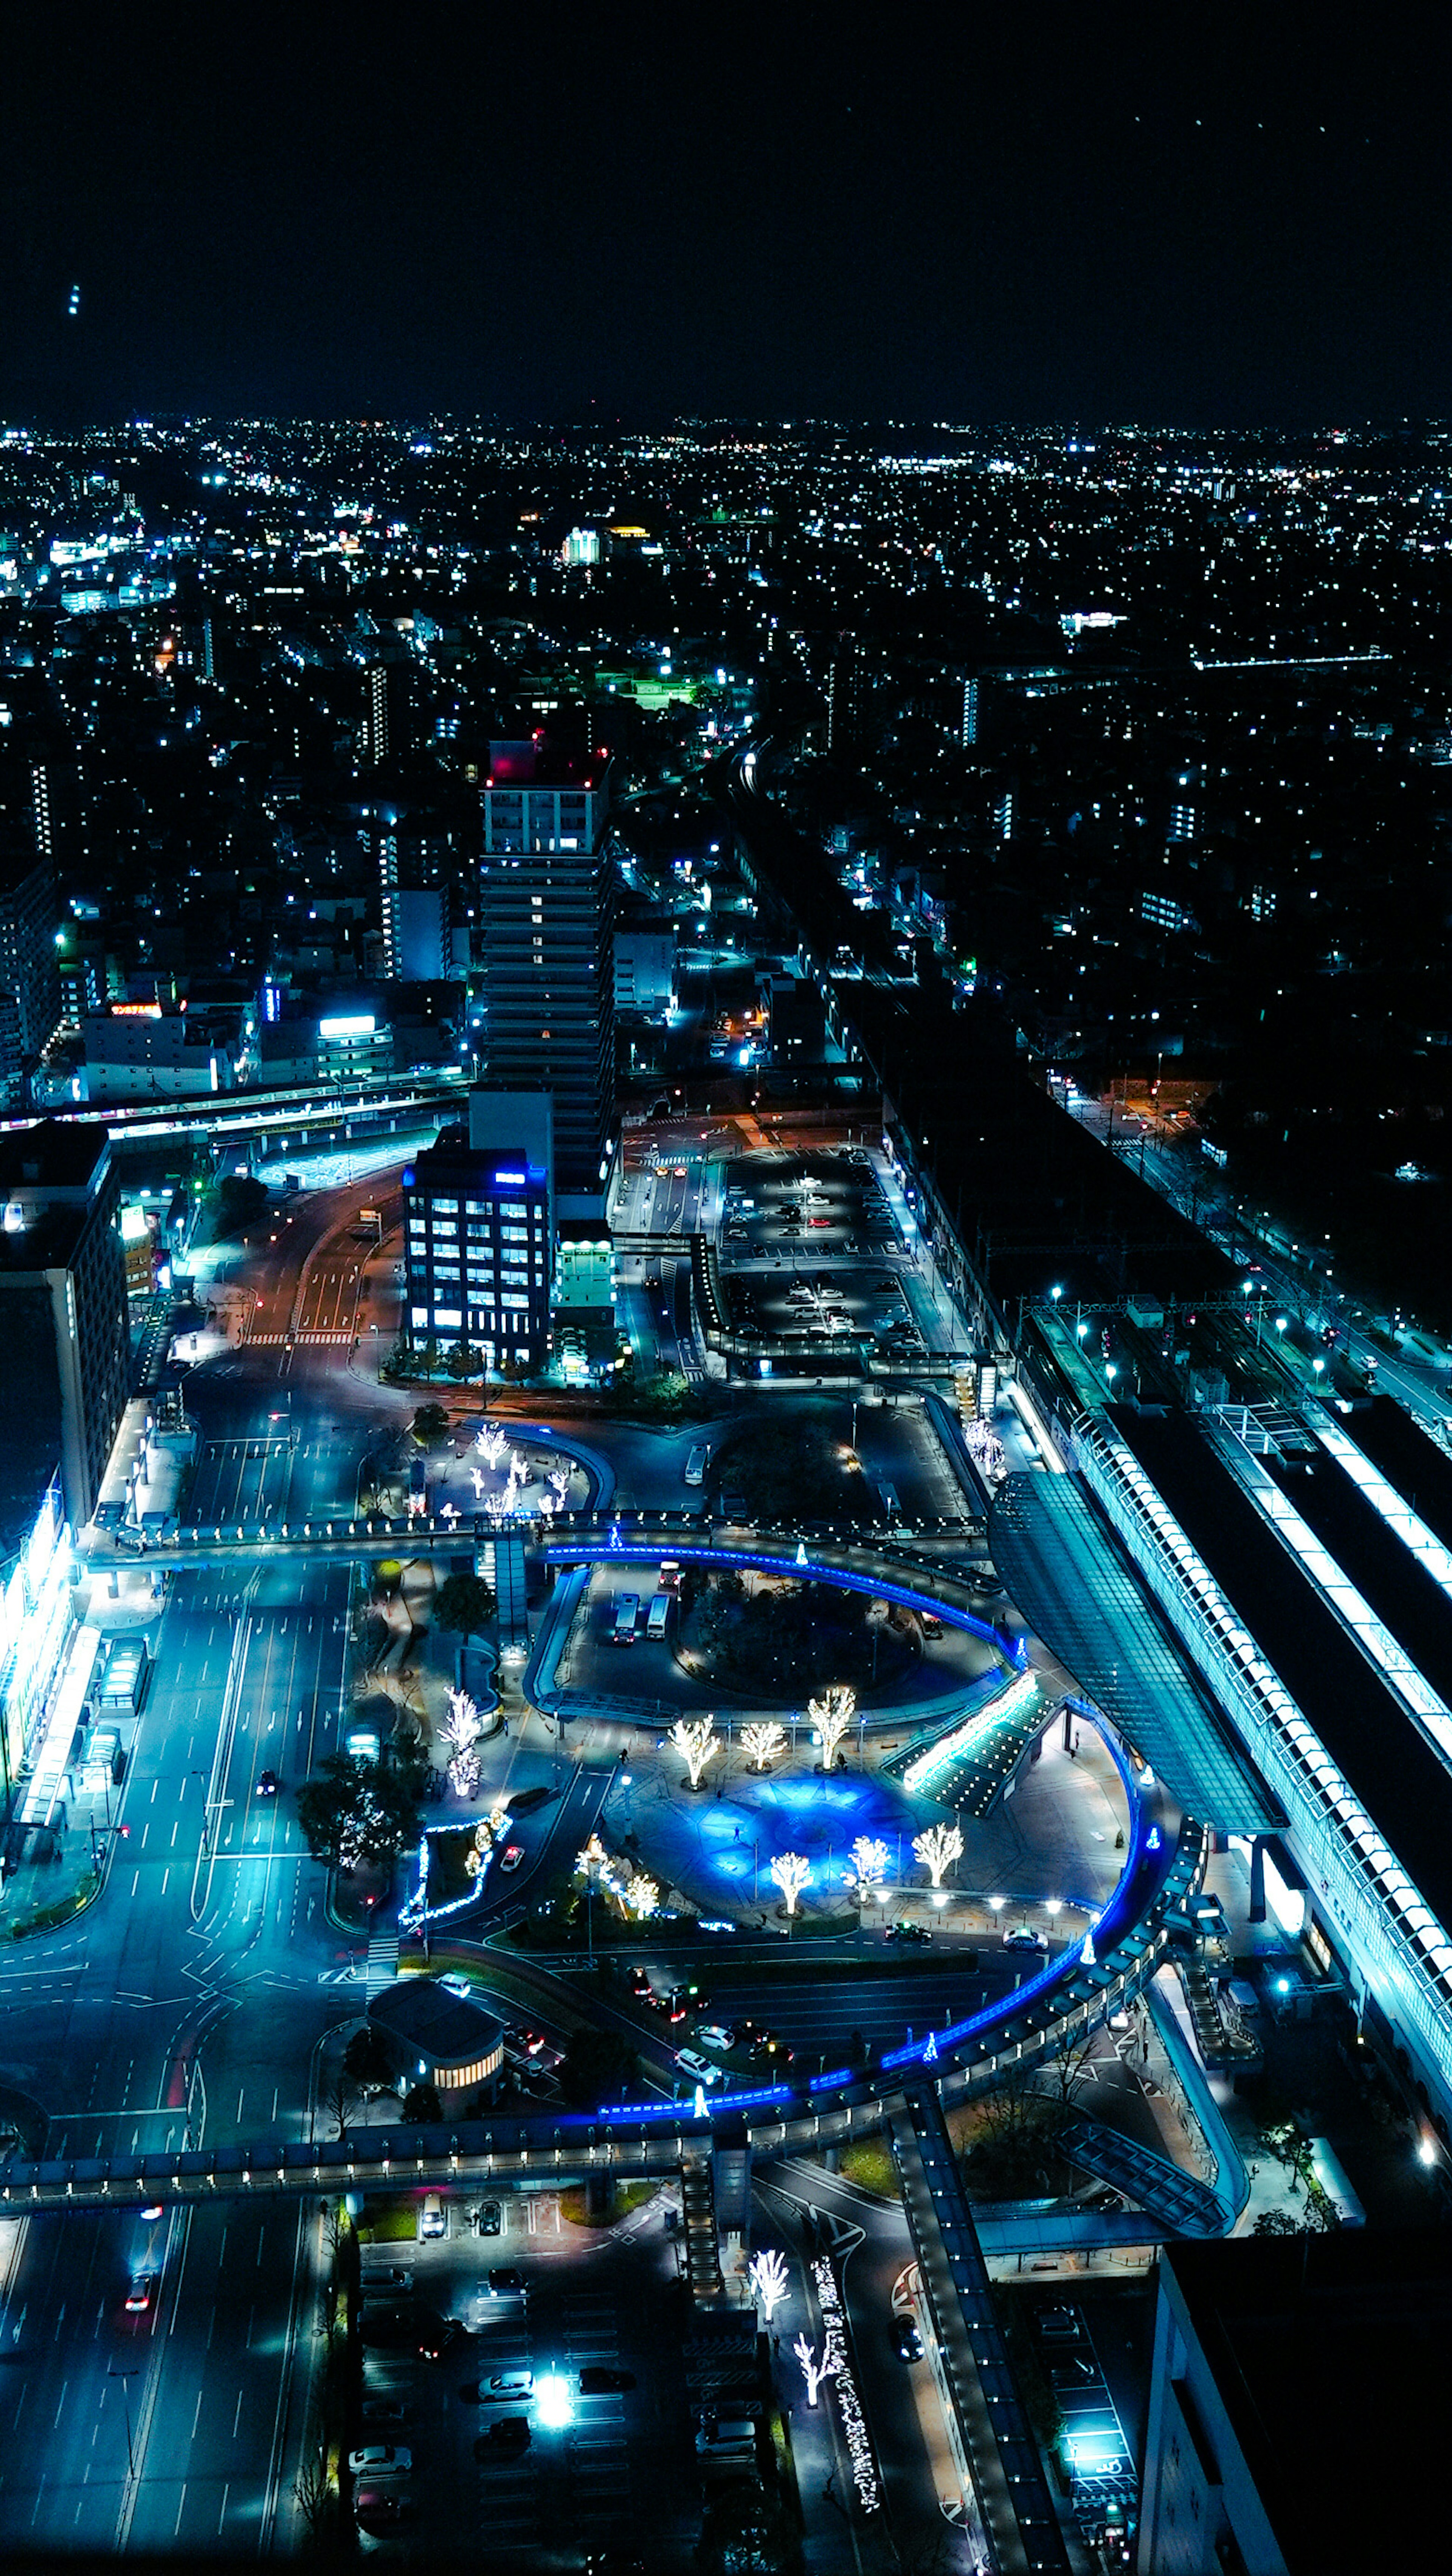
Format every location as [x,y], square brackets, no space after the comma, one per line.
[937,1849]
[490,1444]
[642,1896]
[869,1863]
[462,1728]
[792,1873]
[813,2371]
[518,1479]
[832,1716]
[763,1743]
[477,1480]
[559,1485]
[695,1739]
[768,2277]
[481,1850]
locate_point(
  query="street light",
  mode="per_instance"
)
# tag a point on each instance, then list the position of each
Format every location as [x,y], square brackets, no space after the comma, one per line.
[123,2376]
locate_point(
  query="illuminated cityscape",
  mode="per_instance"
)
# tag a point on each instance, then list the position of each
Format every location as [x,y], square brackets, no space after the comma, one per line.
[726,1445]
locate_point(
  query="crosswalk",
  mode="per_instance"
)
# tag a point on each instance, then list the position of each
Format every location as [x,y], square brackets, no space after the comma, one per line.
[308,1340]
[382,1961]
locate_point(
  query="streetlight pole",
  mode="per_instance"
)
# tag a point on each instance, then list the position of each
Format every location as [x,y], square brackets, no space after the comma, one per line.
[124,2376]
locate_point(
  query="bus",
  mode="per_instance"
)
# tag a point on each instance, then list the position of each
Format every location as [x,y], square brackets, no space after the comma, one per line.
[627,1610]
[655,1625]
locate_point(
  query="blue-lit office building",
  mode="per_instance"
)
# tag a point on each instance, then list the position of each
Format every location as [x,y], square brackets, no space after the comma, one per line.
[479,1230]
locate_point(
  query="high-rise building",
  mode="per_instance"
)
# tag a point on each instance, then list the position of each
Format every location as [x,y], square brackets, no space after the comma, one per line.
[30,993]
[547,921]
[970,713]
[376,719]
[478,1228]
[62,1309]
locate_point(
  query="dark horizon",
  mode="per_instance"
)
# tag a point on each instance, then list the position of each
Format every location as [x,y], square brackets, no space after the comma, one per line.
[632,219]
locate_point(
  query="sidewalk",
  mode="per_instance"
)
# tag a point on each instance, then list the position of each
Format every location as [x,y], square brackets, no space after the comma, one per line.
[57,1841]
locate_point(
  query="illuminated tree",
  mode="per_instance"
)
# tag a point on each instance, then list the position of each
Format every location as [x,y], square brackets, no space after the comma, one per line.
[813,2371]
[462,1728]
[695,1740]
[763,1743]
[592,1857]
[792,1874]
[642,1896]
[490,1444]
[832,1716]
[768,2278]
[869,1861]
[937,1849]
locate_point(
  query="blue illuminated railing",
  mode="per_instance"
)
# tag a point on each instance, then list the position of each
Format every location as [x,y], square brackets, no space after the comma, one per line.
[637,1549]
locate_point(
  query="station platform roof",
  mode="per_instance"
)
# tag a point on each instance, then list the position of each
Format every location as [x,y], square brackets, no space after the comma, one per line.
[1073,1582]
[1388,1764]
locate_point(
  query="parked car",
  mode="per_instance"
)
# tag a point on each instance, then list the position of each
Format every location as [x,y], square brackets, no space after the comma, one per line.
[376,2509]
[506,2387]
[391,2278]
[379,2459]
[511,2433]
[384,2410]
[491,2219]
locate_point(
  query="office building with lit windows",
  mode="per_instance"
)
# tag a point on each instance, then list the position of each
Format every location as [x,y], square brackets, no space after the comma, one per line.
[479,1233]
[547,925]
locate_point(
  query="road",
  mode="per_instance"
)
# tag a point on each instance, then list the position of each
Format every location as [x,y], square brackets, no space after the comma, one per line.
[186,2005]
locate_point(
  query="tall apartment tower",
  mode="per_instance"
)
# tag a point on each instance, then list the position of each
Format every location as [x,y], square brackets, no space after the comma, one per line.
[30,991]
[62,1309]
[970,714]
[547,920]
[377,716]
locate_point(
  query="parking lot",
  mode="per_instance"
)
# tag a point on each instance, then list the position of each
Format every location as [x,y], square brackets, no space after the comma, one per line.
[542,2467]
[815,1262]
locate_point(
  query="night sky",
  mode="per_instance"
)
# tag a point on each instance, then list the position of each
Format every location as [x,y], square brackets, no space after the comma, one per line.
[1232,215]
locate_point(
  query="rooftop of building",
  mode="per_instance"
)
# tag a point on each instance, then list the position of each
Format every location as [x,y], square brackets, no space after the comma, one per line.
[419,2013]
[1391,1768]
[537,762]
[48,1176]
[451,1157]
[1329,2356]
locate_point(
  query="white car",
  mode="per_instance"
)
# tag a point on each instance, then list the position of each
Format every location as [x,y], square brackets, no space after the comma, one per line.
[378,2459]
[454,1984]
[691,2062]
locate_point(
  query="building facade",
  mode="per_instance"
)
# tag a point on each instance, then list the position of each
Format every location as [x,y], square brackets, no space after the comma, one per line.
[62,1311]
[30,994]
[479,1249]
[547,918]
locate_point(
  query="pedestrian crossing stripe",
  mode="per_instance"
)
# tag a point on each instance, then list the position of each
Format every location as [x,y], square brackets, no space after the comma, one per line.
[274,1341]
